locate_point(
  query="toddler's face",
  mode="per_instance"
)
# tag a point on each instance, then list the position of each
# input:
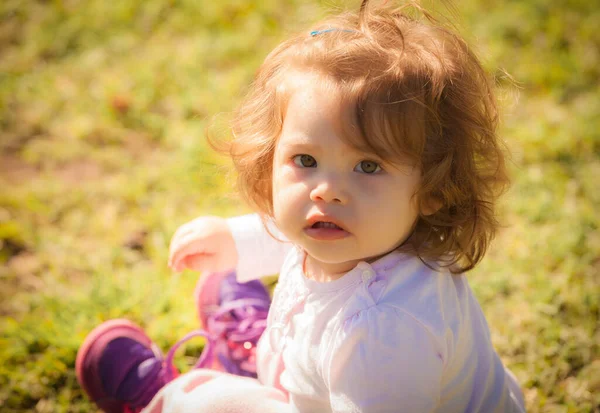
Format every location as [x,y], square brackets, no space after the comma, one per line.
[339,204]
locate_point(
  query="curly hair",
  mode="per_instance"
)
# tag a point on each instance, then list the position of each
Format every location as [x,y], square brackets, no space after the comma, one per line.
[420,96]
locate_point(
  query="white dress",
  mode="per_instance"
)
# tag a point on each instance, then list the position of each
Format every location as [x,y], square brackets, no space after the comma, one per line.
[389,336]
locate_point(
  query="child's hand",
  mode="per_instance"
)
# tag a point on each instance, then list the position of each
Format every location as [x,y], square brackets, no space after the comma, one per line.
[204,244]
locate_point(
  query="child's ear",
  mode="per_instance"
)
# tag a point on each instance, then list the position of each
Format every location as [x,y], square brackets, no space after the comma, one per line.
[431,206]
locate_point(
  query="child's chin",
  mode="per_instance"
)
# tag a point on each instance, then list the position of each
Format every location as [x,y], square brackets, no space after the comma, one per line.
[335,257]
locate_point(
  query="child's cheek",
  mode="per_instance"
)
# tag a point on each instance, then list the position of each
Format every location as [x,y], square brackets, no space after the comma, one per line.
[284,178]
[289,173]
[370,188]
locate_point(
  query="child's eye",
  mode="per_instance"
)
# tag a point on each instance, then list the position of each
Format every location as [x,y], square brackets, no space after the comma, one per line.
[367,167]
[305,161]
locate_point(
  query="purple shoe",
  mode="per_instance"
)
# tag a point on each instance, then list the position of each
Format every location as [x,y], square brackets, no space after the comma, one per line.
[120,368]
[234,316]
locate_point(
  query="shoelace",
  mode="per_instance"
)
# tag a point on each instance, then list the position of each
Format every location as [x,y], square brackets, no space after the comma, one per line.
[232,333]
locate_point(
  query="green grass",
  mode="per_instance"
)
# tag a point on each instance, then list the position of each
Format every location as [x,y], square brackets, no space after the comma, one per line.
[103,110]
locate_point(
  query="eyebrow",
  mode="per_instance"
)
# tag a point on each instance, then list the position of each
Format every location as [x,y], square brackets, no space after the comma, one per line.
[317,149]
[300,146]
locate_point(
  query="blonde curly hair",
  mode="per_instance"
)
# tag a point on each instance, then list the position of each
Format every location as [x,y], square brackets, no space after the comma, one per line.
[420,95]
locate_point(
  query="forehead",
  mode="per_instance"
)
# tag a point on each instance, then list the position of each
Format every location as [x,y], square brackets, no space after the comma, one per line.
[368,120]
[307,91]
[314,103]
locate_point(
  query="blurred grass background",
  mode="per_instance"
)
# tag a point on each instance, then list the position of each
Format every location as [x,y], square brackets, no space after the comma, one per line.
[103,109]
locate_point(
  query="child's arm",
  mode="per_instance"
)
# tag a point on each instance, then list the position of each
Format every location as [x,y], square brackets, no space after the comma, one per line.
[214,244]
[259,254]
[383,360]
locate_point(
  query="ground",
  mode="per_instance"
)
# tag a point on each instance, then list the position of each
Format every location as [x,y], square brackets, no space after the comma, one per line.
[104,108]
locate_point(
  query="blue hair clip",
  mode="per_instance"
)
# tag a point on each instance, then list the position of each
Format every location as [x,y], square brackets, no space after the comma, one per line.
[317,32]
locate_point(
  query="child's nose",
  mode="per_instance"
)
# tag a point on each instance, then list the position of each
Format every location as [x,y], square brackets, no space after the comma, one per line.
[327,191]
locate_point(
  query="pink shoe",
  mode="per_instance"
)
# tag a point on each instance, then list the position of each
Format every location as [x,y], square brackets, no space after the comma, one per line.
[234,316]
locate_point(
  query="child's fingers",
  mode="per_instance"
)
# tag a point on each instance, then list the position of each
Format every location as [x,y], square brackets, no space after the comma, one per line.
[190,242]
[202,237]
[196,254]
[187,246]
[201,262]
[181,231]
[182,234]
[197,262]
[177,242]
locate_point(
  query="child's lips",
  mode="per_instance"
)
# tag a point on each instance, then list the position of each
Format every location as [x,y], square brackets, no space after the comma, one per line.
[325,231]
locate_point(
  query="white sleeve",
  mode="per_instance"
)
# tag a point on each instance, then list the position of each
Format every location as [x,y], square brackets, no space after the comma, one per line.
[259,254]
[383,360]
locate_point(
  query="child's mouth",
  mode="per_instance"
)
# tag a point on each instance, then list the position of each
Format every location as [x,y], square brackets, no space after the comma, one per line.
[321,224]
[326,231]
